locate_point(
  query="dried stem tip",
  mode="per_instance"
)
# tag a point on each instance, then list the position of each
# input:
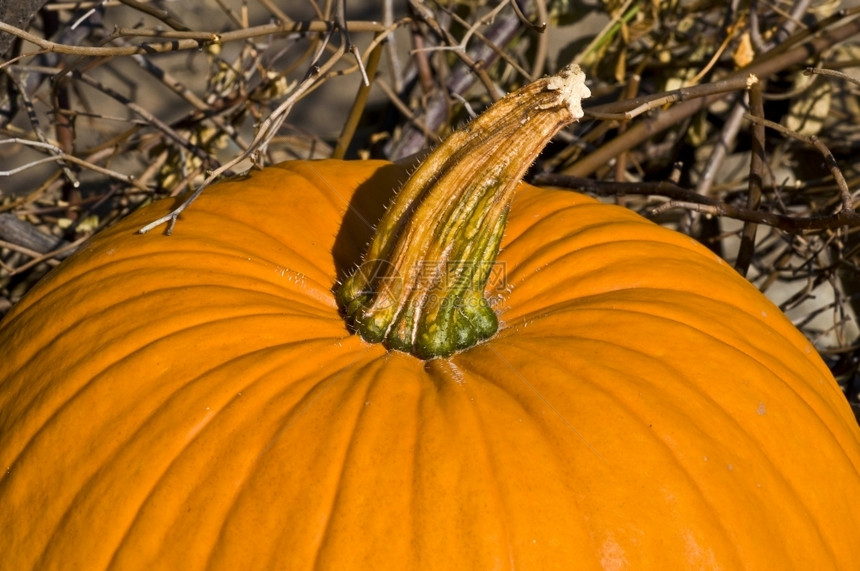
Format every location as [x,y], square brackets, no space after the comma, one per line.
[570,84]
[421,286]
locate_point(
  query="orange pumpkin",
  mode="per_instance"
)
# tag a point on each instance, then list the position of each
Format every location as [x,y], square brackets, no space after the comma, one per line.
[197,401]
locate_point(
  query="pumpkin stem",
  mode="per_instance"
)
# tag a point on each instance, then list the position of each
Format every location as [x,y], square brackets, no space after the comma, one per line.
[421,286]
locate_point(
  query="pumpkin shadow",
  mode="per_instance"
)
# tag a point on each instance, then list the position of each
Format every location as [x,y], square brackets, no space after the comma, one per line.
[366,207]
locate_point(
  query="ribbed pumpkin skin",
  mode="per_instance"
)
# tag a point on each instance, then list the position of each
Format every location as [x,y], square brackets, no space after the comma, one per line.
[196,401]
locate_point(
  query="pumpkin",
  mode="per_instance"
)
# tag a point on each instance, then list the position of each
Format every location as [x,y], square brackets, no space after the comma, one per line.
[199,401]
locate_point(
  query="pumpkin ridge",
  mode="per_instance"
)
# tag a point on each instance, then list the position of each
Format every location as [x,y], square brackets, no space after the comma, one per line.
[327,177]
[539,426]
[620,371]
[622,403]
[816,406]
[609,300]
[269,303]
[636,417]
[293,183]
[751,352]
[332,508]
[567,222]
[529,400]
[608,274]
[156,483]
[661,310]
[263,304]
[543,255]
[320,283]
[776,375]
[241,313]
[489,458]
[320,182]
[130,267]
[334,503]
[277,250]
[584,219]
[655,362]
[460,421]
[68,399]
[277,428]
[286,420]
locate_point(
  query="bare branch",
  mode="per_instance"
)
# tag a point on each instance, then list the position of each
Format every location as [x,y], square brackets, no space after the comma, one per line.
[691,200]
[762,69]
[847,202]
[183,40]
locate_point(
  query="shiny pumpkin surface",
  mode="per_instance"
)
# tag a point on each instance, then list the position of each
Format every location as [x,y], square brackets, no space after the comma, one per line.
[196,401]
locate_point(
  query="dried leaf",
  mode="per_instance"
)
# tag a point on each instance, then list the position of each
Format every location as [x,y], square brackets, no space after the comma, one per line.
[744,53]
